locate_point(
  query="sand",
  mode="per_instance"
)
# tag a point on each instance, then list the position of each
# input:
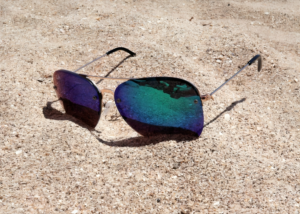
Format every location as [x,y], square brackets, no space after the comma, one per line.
[245,161]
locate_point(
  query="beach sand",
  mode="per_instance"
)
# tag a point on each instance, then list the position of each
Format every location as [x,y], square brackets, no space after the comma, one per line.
[247,159]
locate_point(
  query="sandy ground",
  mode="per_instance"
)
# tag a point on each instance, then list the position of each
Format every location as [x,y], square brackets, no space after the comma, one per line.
[247,159]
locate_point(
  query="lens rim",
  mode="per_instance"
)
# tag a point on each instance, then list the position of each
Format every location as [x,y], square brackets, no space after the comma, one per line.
[83,77]
[174,78]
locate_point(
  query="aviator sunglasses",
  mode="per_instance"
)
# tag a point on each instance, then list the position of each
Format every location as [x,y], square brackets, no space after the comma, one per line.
[151,105]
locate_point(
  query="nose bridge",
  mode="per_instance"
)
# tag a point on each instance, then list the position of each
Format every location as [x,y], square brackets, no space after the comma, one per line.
[107,90]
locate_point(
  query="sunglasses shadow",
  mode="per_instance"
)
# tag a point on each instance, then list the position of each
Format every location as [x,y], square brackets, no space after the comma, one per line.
[229,108]
[144,141]
[53,114]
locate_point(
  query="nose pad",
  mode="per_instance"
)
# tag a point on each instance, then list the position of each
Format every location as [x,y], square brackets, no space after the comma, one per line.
[108,106]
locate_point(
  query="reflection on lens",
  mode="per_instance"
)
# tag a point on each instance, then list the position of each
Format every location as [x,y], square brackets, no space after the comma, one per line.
[160,105]
[79,97]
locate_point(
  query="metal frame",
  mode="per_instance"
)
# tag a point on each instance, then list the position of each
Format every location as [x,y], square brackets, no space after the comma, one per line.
[203,97]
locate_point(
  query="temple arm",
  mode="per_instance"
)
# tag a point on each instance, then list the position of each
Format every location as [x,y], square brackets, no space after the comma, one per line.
[108,53]
[257,57]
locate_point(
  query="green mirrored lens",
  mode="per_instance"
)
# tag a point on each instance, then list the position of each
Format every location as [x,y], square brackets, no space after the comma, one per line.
[160,105]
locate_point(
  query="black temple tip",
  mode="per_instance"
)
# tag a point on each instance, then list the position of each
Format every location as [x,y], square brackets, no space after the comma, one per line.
[257,57]
[121,49]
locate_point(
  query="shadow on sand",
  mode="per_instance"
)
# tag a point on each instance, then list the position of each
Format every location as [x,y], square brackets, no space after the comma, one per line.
[53,114]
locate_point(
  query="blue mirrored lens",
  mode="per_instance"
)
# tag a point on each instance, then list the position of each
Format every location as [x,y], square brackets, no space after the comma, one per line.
[160,105]
[79,97]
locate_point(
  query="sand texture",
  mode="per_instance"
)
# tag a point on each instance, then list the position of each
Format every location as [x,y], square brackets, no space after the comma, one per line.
[247,159]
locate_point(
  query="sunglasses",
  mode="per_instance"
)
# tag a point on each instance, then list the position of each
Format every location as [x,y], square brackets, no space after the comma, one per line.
[151,105]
